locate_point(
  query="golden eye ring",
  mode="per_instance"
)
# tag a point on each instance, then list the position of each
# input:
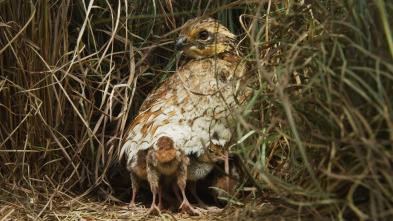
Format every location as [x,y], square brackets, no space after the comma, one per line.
[203,35]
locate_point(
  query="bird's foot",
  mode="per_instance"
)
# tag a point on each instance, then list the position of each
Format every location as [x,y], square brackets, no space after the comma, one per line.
[201,204]
[131,205]
[154,209]
[187,206]
[211,208]
[160,206]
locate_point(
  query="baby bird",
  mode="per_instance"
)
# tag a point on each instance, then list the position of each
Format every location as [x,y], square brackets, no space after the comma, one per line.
[222,185]
[138,172]
[166,159]
[200,166]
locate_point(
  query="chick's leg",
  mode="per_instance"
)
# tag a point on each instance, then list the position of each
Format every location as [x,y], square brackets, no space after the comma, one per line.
[153,176]
[201,204]
[134,192]
[186,205]
[181,181]
[192,188]
[153,208]
[176,191]
[160,206]
[135,188]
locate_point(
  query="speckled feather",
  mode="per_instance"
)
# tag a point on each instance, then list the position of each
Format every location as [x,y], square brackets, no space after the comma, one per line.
[192,105]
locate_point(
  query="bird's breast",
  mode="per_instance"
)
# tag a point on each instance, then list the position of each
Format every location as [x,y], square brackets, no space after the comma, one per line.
[198,169]
[186,107]
[168,168]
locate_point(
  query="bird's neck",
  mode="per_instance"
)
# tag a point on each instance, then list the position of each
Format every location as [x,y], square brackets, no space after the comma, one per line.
[231,56]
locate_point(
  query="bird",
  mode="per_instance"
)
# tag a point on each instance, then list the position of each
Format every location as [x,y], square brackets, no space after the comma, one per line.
[200,166]
[166,159]
[224,185]
[192,106]
[138,172]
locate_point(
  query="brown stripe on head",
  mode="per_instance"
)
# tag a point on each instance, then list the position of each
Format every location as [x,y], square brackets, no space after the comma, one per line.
[202,38]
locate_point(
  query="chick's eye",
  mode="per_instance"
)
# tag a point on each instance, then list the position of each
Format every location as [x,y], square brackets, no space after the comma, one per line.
[203,35]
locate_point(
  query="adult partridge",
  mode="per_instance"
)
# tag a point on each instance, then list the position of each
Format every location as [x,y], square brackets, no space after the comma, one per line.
[193,105]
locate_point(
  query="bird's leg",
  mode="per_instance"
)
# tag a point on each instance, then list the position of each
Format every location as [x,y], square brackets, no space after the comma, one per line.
[153,176]
[134,192]
[181,181]
[160,206]
[176,191]
[135,188]
[201,204]
[192,188]
[185,204]
[153,207]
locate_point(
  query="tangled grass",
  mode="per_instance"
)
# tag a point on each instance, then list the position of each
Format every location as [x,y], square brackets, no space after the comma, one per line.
[314,141]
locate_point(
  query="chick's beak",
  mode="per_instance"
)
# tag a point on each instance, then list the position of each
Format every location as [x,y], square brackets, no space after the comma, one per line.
[220,157]
[181,42]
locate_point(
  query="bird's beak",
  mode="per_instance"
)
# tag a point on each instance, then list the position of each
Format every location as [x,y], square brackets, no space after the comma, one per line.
[181,42]
[221,157]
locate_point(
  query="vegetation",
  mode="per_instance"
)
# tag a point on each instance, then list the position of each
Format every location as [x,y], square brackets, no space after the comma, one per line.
[315,140]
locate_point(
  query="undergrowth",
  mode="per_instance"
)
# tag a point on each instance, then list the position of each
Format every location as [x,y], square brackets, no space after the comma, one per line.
[315,139]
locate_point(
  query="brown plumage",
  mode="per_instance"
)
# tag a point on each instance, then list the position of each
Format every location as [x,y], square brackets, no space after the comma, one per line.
[193,105]
[137,173]
[224,186]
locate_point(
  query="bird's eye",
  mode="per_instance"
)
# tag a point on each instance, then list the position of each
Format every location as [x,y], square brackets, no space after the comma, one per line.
[203,35]
[210,150]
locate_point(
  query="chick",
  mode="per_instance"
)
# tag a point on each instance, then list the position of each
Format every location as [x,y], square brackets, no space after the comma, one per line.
[138,173]
[224,185]
[165,159]
[200,166]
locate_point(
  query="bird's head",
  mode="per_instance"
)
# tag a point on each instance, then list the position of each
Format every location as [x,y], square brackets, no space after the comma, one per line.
[204,37]
[213,153]
[165,149]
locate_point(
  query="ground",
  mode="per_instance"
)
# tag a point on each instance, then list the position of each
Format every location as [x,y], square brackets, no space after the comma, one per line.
[88,208]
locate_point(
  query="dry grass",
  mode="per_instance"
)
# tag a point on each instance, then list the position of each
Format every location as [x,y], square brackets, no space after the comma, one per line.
[314,141]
